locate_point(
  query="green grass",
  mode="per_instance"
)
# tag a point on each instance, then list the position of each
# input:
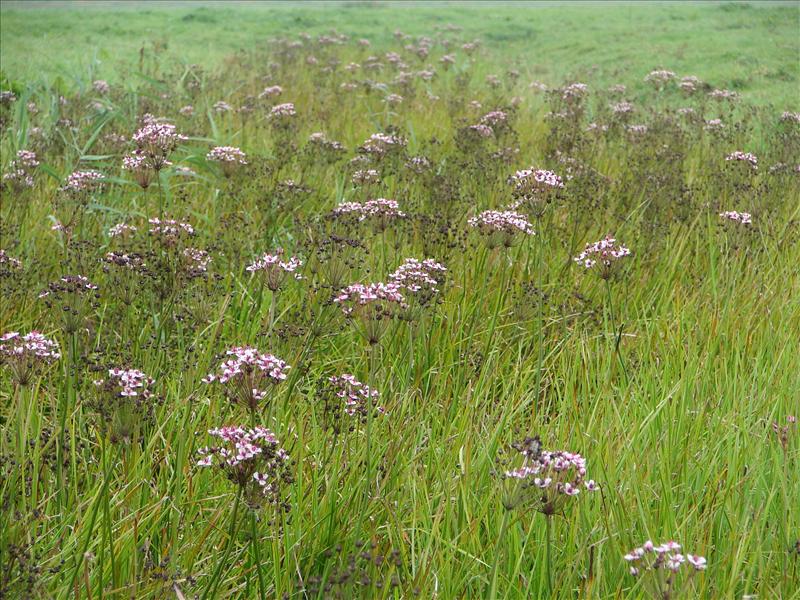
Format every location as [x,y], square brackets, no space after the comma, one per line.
[750,48]
[667,378]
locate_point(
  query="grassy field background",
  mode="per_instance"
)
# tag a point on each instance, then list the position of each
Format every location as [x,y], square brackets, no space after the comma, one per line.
[668,378]
[751,48]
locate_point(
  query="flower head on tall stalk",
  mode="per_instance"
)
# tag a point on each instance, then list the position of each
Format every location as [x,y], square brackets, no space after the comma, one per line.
[20,171]
[273,269]
[170,231]
[534,189]
[547,481]
[124,401]
[660,566]
[419,282]
[346,403]
[380,212]
[27,355]
[746,158]
[80,185]
[122,231]
[501,229]
[382,145]
[782,432]
[137,164]
[229,158]
[603,256]
[8,264]
[254,461]
[126,272]
[75,297]
[249,376]
[155,141]
[743,218]
[372,307]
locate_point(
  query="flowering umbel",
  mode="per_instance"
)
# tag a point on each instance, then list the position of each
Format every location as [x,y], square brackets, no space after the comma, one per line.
[547,480]
[273,269]
[501,228]
[248,375]
[602,256]
[155,141]
[26,355]
[371,307]
[533,188]
[124,401]
[661,566]
[74,296]
[344,396]
[229,158]
[252,459]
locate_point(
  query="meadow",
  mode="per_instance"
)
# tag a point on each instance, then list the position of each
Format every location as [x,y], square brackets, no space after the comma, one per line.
[367,301]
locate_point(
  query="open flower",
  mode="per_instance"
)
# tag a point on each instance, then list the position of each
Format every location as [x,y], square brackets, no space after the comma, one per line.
[253,460]
[602,256]
[27,355]
[371,307]
[501,228]
[273,269]
[248,375]
[228,157]
[124,401]
[661,566]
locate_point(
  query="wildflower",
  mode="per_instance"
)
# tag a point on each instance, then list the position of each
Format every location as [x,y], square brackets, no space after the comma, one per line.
[273,270]
[546,480]
[661,565]
[139,166]
[249,376]
[418,164]
[419,280]
[393,99]
[18,179]
[660,77]
[365,177]
[196,261]
[8,263]
[155,141]
[689,84]
[170,230]
[481,131]
[746,157]
[782,431]
[27,355]
[82,183]
[714,125]
[124,401]
[617,89]
[7,97]
[622,108]
[790,117]
[494,119]
[122,230]
[101,86]
[380,211]
[501,228]
[371,307]
[187,111]
[602,255]
[282,111]
[222,107]
[346,394]
[721,95]
[738,217]
[76,297]
[126,272]
[229,158]
[574,92]
[636,129]
[253,460]
[534,187]
[271,92]
[381,144]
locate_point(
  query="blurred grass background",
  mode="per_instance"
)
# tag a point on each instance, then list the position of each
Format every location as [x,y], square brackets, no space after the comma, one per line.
[753,49]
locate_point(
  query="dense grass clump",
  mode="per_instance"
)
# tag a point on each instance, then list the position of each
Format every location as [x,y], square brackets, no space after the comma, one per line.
[338,322]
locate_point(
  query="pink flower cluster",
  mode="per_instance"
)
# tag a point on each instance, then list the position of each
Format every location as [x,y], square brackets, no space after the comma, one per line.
[20,169]
[746,157]
[248,373]
[121,230]
[380,144]
[196,260]
[508,222]
[138,164]
[227,154]
[252,459]
[547,479]
[69,284]
[660,76]
[155,141]
[82,182]
[739,217]
[275,270]
[663,556]
[531,183]
[354,394]
[8,263]
[126,383]
[169,228]
[359,294]
[31,346]
[271,91]
[494,119]
[419,276]
[603,254]
[281,111]
[380,207]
